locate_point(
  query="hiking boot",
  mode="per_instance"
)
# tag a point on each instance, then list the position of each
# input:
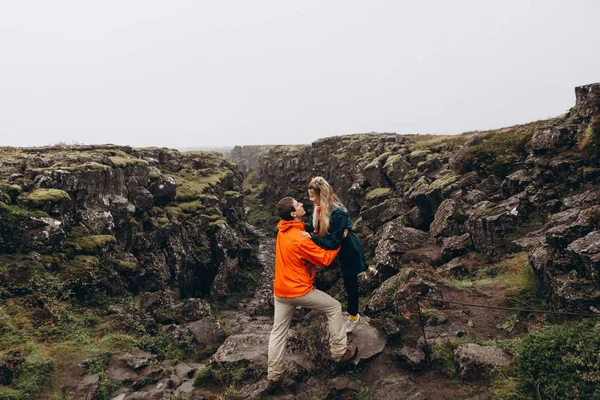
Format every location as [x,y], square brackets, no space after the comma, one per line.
[370,273]
[273,385]
[349,354]
[350,325]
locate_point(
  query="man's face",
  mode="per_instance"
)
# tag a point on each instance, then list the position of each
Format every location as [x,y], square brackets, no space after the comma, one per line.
[299,209]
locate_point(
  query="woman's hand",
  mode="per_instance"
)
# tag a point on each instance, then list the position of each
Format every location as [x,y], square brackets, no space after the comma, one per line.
[305,234]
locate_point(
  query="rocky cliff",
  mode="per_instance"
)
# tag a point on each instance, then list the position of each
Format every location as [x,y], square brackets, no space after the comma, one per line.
[140,243]
[532,187]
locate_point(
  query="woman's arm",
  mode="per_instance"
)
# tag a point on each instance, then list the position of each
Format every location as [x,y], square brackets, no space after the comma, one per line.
[339,222]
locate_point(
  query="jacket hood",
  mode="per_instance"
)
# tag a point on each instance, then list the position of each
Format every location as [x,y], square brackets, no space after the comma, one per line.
[284,225]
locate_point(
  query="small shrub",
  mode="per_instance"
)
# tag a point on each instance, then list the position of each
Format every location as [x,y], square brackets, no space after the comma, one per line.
[562,362]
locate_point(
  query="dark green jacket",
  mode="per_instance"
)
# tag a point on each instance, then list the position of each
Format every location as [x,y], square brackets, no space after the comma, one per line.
[351,256]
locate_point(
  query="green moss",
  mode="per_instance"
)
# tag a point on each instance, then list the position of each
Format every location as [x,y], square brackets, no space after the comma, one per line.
[444,182]
[162,221]
[39,196]
[377,193]
[590,142]
[127,266]
[419,153]
[190,208]
[14,190]
[121,162]
[231,193]
[186,193]
[11,215]
[217,222]
[500,153]
[92,244]
[392,160]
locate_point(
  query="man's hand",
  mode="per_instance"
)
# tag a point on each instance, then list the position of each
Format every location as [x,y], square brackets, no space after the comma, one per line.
[305,234]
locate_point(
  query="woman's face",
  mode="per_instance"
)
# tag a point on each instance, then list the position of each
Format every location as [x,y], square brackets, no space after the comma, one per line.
[316,199]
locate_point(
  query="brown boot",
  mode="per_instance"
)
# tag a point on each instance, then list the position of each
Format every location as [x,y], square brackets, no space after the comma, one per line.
[349,354]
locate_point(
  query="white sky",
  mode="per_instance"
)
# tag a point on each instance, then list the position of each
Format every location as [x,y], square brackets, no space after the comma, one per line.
[220,73]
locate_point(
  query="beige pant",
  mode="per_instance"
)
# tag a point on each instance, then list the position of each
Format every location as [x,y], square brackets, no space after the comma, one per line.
[284,310]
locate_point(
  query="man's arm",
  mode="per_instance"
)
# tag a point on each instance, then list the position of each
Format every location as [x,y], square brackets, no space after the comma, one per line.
[315,254]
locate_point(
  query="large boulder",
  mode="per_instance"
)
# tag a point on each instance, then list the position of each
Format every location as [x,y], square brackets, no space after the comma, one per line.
[449,219]
[397,293]
[400,245]
[476,361]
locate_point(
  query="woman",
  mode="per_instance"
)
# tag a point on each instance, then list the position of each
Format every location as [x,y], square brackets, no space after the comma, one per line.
[326,228]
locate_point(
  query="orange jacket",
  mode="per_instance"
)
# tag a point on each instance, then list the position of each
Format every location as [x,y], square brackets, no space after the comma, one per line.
[295,257]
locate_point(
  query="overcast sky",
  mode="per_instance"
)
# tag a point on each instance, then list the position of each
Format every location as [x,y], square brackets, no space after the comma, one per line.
[220,73]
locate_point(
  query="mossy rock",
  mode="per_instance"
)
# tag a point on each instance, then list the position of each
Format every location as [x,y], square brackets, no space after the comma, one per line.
[444,182]
[217,222]
[39,196]
[121,162]
[191,207]
[14,190]
[92,244]
[377,192]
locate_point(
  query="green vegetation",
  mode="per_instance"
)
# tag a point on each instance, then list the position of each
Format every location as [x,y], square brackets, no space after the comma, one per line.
[590,143]
[444,181]
[39,196]
[377,192]
[562,362]
[92,244]
[121,161]
[500,153]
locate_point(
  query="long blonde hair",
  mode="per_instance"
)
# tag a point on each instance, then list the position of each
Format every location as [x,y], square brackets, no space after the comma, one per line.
[318,186]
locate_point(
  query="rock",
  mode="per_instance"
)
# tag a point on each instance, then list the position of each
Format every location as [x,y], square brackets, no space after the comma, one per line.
[131,366]
[456,246]
[475,361]
[395,294]
[166,310]
[587,100]
[87,387]
[586,251]
[412,358]
[395,245]
[378,215]
[142,199]
[390,327]
[448,220]
[369,340]
[184,371]
[551,138]
[163,190]
[454,268]
[489,224]
[246,347]
[516,182]
[207,331]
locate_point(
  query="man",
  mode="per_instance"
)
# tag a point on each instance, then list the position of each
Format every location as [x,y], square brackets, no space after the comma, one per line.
[295,258]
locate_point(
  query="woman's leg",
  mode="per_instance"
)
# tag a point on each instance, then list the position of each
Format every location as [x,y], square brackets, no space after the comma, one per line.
[351,286]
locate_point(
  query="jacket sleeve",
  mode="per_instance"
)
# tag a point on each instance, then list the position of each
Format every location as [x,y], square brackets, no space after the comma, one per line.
[333,240]
[309,227]
[317,255]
